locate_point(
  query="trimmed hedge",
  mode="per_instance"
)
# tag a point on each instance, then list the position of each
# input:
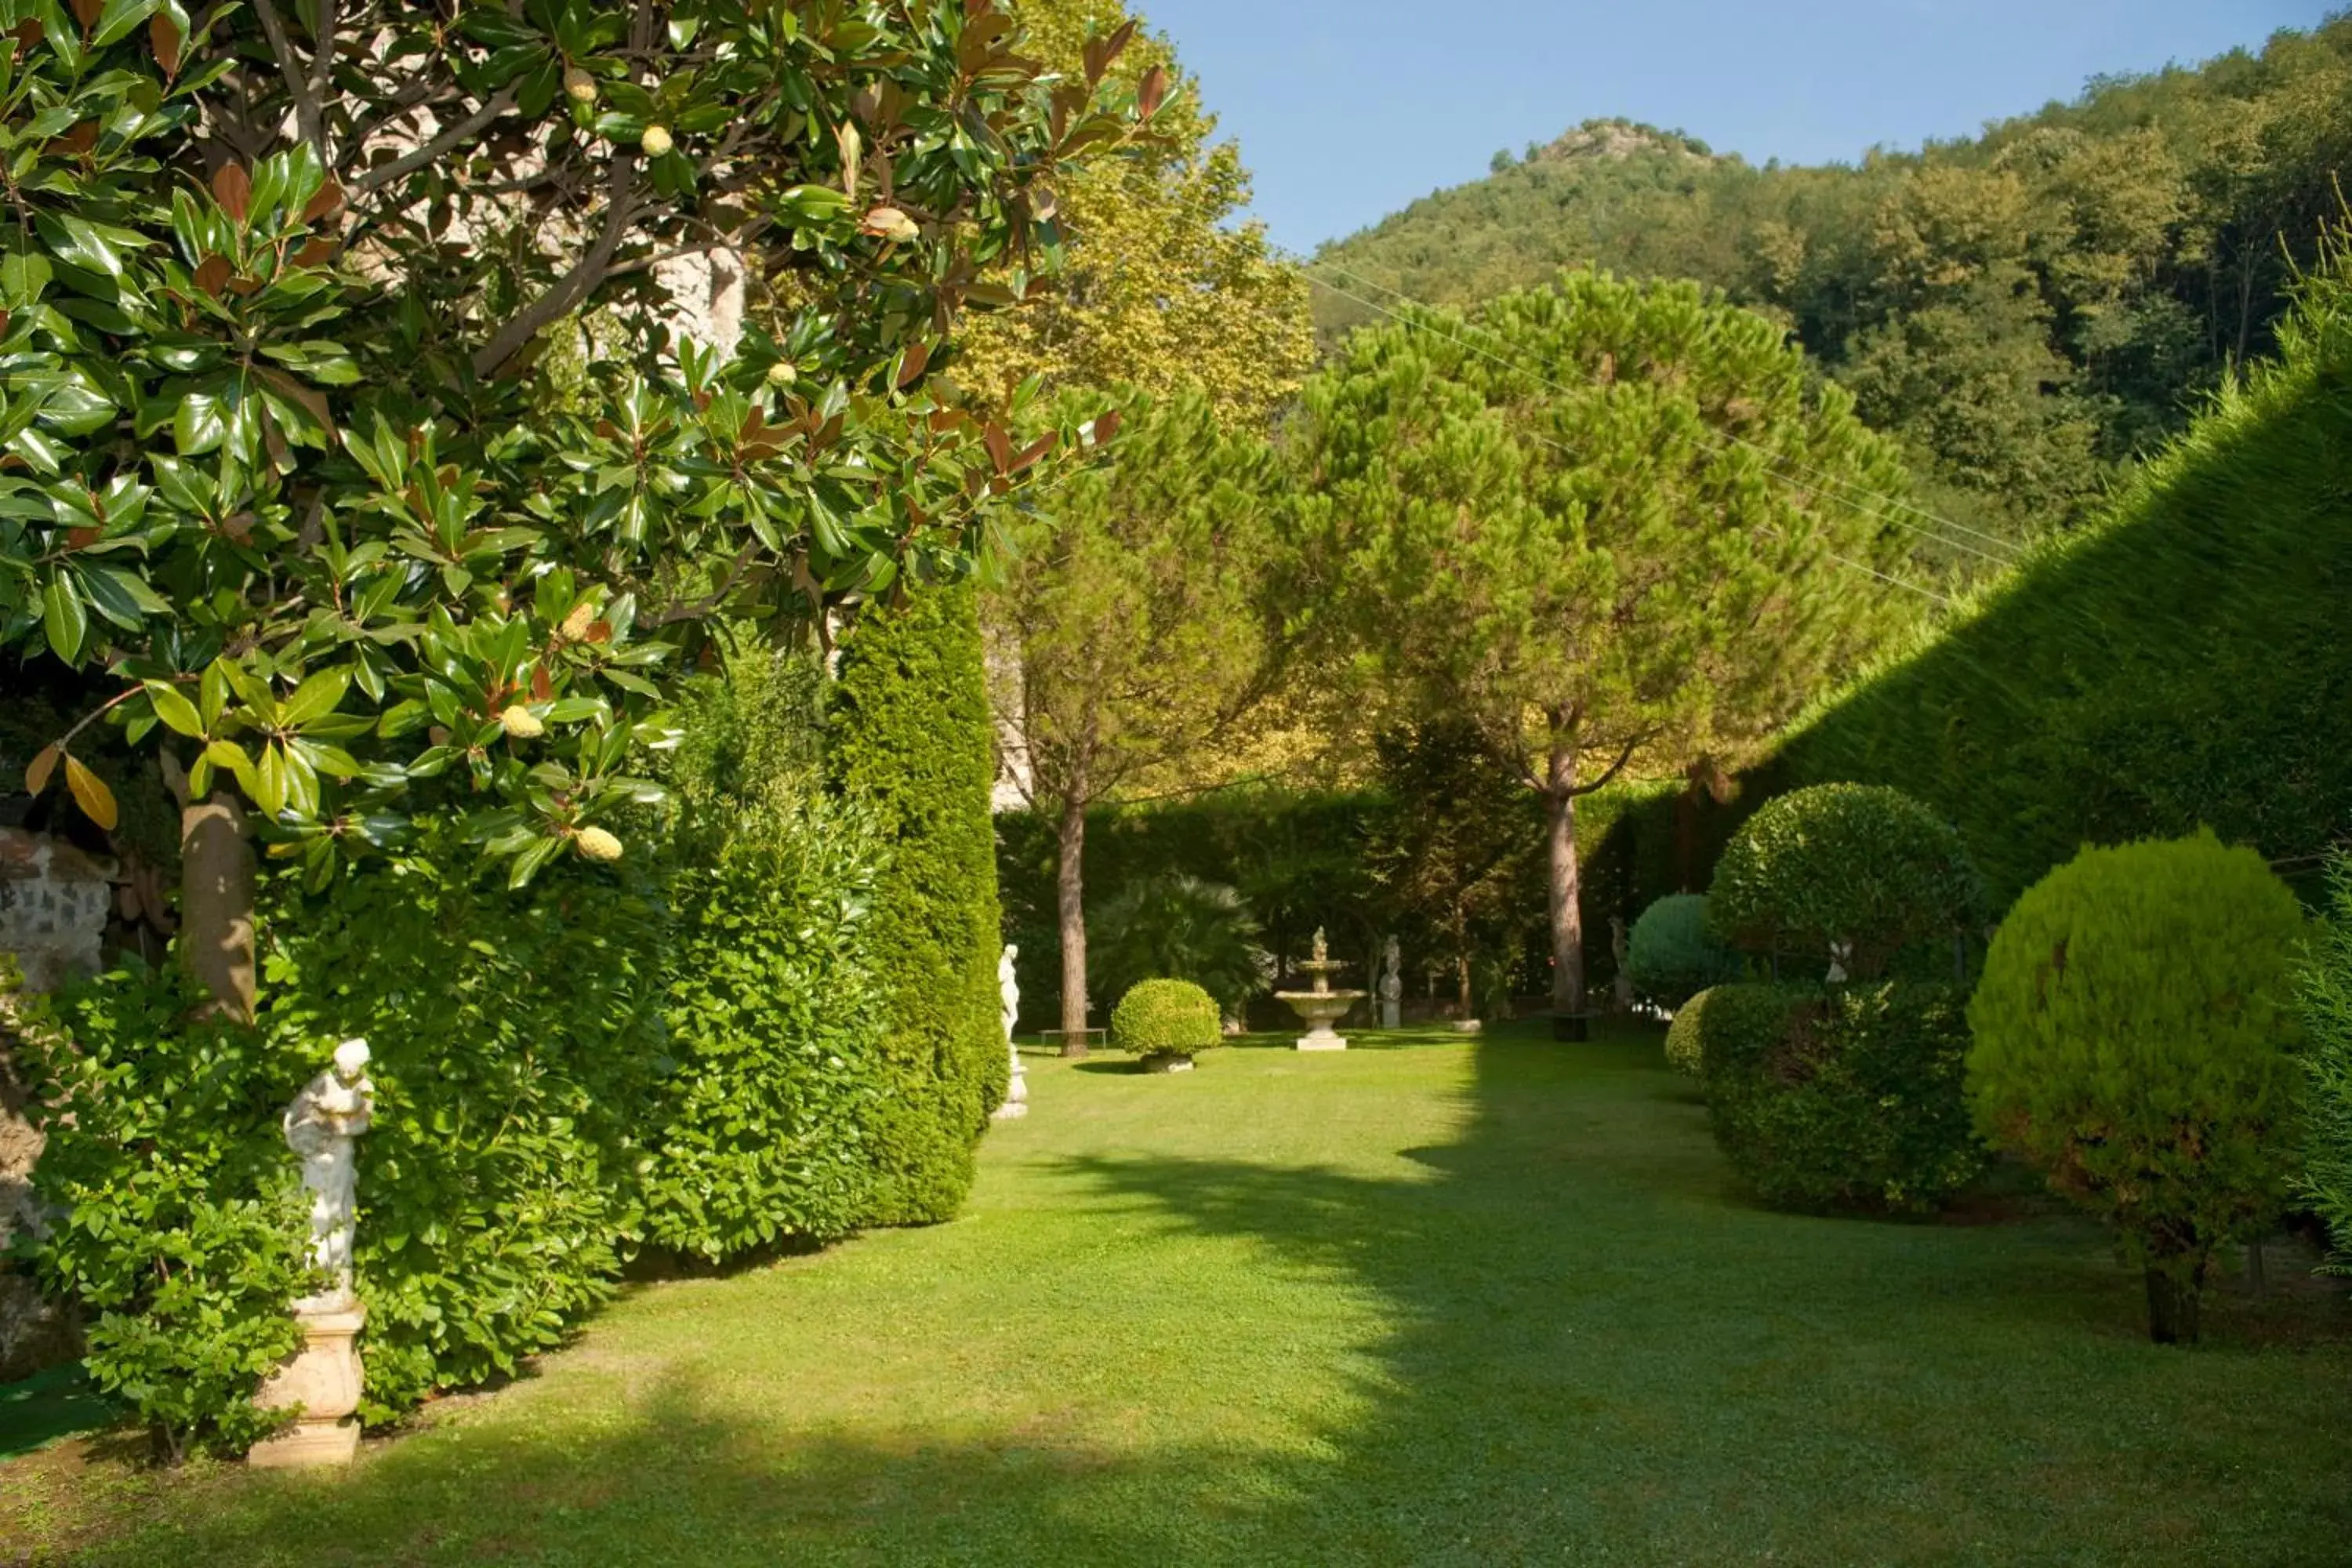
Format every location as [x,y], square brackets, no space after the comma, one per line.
[1670,955]
[2327,1183]
[1160,1018]
[2181,662]
[1859,865]
[1843,1095]
[910,741]
[2136,1033]
[1685,1050]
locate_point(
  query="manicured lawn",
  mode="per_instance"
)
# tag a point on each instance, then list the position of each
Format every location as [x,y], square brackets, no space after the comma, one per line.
[1477,1303]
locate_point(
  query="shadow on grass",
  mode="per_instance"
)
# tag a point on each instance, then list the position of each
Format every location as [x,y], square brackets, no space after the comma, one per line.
[1593,1352]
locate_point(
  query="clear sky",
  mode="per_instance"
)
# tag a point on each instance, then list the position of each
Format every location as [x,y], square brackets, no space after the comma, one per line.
[1346,109]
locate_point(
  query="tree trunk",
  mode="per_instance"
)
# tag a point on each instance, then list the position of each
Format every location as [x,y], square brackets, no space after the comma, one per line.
[1071,907]
[2172,1309]
[217,903]
[1566,918]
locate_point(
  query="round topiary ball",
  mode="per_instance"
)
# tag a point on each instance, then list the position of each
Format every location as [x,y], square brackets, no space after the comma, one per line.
[2134,1036]
[1860,871]
[1685,1050]
[1165,1022]
[1670,957]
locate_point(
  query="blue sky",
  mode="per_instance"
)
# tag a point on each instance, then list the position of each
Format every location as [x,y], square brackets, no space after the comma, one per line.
[1346,109]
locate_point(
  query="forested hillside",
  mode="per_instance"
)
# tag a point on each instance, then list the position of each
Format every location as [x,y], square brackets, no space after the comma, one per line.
[2029,310]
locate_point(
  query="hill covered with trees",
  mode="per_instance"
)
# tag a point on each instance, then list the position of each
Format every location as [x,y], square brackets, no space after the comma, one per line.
[2030,310]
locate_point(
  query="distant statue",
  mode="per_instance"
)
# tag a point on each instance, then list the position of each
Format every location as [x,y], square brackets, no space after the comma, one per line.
[321,1126]
[1840,954]
[1008,989]
[1619,944]
[1322,948]
[1391,985]
[1016,1090]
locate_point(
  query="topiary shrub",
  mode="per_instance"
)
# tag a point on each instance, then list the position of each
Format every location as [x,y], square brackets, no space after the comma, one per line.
[2134,1036]
[1856,867]
[1684,1053]
[910,739]
[1840,1095]
[1165,1022]
[2327,1183]
[1670,957]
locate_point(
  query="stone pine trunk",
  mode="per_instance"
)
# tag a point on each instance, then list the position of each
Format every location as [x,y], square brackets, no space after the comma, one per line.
[1070,915]
[1564,882]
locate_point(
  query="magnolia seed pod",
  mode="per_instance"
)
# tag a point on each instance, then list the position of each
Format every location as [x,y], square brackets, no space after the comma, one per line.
[522,724]
[784,373]
[656,141]
[579,86]
[599,846]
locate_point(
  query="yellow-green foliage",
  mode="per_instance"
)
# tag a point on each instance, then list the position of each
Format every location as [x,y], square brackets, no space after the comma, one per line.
[1682,1037]
[910,741]
[2326,1182]
[2134,1031]
[1165,1018]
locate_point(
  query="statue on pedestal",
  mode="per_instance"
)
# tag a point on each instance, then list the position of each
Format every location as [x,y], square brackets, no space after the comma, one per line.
[1391,985]
[321,1126]
[1008,991]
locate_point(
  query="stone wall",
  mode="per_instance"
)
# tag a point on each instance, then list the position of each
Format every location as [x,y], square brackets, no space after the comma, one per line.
[53,906]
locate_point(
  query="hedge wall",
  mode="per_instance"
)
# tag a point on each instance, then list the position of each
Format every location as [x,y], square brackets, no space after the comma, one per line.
[910,739]
[2183,662]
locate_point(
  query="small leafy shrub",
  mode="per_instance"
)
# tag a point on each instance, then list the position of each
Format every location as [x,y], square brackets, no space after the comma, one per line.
[1840,1095]
[1843,864]
[1177,925]
[1670,957]
[1165,1020]
[2135,1038]
[1684,1052]
[2327,1183]
[185,1228]
[518,1040]
[764,1120]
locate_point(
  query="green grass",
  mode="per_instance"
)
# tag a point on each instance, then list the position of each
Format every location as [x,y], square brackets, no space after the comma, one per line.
[1464,1303]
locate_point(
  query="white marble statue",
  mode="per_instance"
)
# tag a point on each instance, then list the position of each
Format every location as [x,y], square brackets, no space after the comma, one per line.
[321,1125]
[1391,985]
[1840,954]
[1008,989]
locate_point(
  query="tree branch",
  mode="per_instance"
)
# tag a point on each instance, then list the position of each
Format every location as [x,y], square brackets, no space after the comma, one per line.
[575,286]
[464,131]
[307,121]
[1609,777]
[323,63]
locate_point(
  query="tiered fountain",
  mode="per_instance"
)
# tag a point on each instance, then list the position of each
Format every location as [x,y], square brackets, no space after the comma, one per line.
[1321,1007]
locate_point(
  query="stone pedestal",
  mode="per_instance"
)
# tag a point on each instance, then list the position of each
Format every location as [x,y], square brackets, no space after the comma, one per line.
[1322,1038]
[1391,1014]
[1016,1091]
[323,1378]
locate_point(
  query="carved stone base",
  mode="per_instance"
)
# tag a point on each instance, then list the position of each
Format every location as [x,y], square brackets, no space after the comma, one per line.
[323,1378]
[1391,1015]
[1322,1040]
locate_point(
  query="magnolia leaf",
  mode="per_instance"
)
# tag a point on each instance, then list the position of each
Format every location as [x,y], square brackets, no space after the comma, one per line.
[233,188]
[175,709]
[44,764]
[90,793]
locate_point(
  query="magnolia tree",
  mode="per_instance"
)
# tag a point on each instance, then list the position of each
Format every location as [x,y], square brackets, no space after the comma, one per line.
[1613,525]
[277,486]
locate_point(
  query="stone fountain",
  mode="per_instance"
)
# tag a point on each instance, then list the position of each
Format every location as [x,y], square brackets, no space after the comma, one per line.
[1321,1007]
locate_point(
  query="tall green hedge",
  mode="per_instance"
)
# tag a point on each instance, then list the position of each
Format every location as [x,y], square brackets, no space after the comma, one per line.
[2184,662]
[908,738]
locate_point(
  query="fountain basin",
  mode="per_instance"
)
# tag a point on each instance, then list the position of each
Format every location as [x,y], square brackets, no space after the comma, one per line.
[1319,1010]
